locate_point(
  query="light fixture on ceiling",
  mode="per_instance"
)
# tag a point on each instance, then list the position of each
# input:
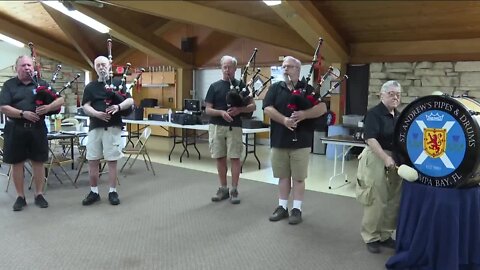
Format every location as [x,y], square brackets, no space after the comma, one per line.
[271,2]
[77,15]
[12,41]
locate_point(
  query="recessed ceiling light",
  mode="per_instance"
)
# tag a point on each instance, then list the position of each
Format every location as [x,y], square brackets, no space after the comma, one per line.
[272,3]
[77,15]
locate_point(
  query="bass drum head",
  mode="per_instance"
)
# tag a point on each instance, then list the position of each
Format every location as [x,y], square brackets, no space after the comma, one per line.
[438,136]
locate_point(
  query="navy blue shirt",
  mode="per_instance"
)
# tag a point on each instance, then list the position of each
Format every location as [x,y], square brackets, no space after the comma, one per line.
[96,93]
[20,96]
[278,96]
[217,96]
[379,124]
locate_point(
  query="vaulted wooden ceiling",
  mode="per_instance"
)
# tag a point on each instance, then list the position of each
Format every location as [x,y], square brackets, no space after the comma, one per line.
[353,31]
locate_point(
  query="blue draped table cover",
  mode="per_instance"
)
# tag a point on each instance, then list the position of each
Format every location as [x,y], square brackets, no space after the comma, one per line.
[438,229]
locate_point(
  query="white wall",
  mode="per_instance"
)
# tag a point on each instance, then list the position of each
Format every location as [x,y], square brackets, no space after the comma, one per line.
[9,53]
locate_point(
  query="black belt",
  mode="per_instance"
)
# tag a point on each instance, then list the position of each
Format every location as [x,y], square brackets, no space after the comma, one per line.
[26,123]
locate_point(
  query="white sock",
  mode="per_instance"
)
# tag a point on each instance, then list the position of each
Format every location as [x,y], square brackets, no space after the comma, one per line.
[94,189]
[297,204]
[112,189]
[283,203]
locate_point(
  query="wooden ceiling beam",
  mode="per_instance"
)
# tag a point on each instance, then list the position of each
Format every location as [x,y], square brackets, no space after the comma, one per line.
[233,24]
[429,50]
[43,44]
[310,24]
[137,37]
[160,30]
[70,28]
[213,43]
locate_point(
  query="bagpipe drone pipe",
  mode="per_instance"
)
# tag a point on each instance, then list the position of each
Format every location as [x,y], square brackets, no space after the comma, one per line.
[44,95]
[115,86]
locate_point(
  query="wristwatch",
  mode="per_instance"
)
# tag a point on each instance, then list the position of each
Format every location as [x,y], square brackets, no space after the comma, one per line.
[21,114]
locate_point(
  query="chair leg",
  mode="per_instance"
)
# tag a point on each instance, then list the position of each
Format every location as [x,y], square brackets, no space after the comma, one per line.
[145,160]
[126,161]
[134,160]
[68,176]
[149,160]
[9,177]
[79,170]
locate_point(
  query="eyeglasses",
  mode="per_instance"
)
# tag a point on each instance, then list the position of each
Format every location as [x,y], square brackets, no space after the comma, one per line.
[393,94]
[288,66]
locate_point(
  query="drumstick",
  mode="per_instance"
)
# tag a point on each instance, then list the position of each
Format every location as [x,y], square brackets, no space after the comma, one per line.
[408,173]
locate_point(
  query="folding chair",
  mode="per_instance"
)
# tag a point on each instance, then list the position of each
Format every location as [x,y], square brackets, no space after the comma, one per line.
[8,174]
[55,160]
[66,143]
[139,148]
[1,163]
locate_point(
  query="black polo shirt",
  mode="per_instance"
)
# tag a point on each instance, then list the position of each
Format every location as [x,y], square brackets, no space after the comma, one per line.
[380,124]
[278,96]
[217,96]
[96,93]
[19,95]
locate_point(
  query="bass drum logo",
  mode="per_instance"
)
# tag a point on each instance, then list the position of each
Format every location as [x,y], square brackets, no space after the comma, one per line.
[437,136]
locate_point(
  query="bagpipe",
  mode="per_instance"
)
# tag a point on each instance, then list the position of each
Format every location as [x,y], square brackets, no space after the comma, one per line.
[115,88]
[44,94]
[302,98]
[241,97]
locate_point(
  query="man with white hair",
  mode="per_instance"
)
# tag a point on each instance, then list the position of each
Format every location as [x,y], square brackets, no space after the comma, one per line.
[378,184]
[105,131]
[225,130]
[291,137]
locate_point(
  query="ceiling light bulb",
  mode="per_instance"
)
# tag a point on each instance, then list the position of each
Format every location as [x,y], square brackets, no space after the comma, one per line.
[272,2]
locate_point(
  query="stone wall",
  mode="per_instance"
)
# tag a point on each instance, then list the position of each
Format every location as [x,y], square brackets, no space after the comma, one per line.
[422,78]
[67,73]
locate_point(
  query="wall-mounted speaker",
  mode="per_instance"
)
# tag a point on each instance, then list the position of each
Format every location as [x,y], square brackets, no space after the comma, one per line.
[188,44]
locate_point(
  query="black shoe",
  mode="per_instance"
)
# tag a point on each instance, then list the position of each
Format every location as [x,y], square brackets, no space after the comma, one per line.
[295,216]
[113,198]
[91,198]
[20,202]
[373,247]
[279,214]
[389,243]
[40,201]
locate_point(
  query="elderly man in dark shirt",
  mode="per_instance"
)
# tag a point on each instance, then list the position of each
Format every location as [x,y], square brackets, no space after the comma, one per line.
[378,184]
[25,131]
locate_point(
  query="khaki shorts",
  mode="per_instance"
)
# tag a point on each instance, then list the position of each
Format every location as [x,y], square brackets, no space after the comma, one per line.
[106,144]
[224,142]
[290,163]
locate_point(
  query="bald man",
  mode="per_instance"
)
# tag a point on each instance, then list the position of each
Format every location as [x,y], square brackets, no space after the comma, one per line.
[105,132]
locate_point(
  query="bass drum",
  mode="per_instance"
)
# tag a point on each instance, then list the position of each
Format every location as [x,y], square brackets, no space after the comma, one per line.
[439,136]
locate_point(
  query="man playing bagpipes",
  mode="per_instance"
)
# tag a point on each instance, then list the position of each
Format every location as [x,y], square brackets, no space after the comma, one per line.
[105,105]
[292,107]
[225,130]
[26,99]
